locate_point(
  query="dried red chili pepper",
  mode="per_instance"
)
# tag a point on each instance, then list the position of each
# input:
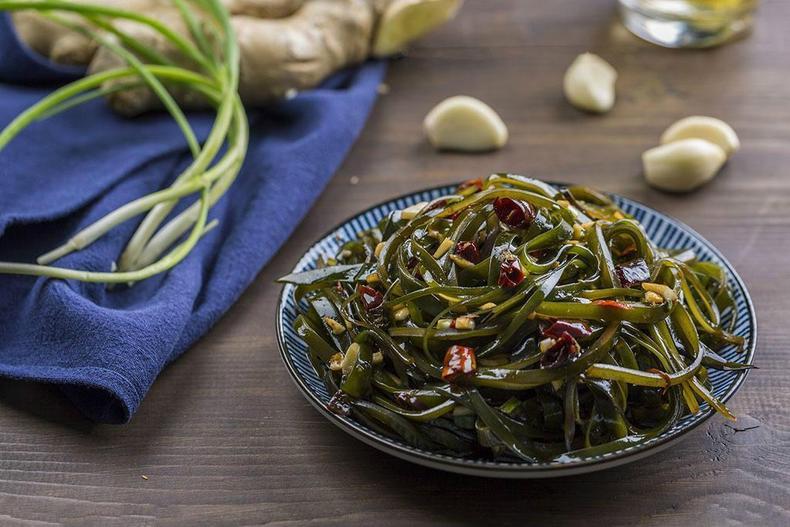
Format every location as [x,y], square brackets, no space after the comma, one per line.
[468,251]
[459,362]
[470,186]
[563,349]
[513,213]
[510,273]
[611,303]
[371,298]
[339,404]
[575,328]
[633,273]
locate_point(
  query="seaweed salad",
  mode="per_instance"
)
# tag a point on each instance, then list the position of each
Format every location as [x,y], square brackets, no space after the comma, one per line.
[515,320]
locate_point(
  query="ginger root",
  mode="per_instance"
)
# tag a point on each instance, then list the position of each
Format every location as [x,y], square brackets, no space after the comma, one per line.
[58,43]
[285,45]
[298,52]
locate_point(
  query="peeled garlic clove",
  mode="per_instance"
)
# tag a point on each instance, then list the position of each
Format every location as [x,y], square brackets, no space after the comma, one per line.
[589,83]
[403,21]
[700,127]
[466,124]
[683,165]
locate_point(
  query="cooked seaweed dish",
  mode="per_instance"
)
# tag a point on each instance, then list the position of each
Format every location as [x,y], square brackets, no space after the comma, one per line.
[515,320]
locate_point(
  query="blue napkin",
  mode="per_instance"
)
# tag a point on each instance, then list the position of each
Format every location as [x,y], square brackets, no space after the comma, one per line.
[104,348]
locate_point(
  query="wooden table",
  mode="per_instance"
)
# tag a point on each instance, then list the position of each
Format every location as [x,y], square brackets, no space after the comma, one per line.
[225,438]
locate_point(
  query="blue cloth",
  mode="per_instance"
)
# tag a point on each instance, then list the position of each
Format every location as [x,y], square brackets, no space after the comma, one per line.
[104,348]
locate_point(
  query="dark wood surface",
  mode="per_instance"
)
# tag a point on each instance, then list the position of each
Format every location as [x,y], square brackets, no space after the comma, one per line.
[225,438]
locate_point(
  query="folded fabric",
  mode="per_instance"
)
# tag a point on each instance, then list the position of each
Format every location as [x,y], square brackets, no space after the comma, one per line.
[104,347]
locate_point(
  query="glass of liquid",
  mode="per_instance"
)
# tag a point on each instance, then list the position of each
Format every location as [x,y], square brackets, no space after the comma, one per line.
[688,23]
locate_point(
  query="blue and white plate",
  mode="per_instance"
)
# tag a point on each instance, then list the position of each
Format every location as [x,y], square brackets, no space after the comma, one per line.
[663,230]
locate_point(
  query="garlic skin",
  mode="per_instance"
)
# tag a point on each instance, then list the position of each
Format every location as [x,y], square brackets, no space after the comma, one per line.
[589,83]
[683,165]
[701,127]
[465,124]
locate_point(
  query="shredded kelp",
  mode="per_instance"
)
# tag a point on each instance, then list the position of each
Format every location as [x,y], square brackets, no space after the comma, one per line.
[515,319]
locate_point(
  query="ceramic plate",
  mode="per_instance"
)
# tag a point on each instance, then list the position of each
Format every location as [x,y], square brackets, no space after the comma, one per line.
[663,230]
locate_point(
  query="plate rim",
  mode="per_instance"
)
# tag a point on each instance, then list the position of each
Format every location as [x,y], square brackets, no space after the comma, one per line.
[487,468]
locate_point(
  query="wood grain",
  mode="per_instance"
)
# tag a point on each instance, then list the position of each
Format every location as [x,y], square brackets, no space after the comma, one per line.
[225,438]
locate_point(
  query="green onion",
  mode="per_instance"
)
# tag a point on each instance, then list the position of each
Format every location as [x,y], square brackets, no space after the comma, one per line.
[154,248]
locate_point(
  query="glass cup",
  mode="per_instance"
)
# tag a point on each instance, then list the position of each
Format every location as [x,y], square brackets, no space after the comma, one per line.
[688,23]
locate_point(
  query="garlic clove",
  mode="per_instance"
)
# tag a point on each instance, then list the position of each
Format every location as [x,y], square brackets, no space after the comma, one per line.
[403,21]
[700,127]
[466,124]
[683,165]
[589,83]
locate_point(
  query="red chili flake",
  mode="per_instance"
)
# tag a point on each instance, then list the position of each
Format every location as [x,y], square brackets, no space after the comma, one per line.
[510,273]
[611,303]
[633,273]
[468,251]
[575,328]
[557,355]
[339,404]
[408,399]
[436,205]
[371,298]
[628,250]
[664,375]
[476,184]
[459,362]
[515,214]
[623,247]
[412,265]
